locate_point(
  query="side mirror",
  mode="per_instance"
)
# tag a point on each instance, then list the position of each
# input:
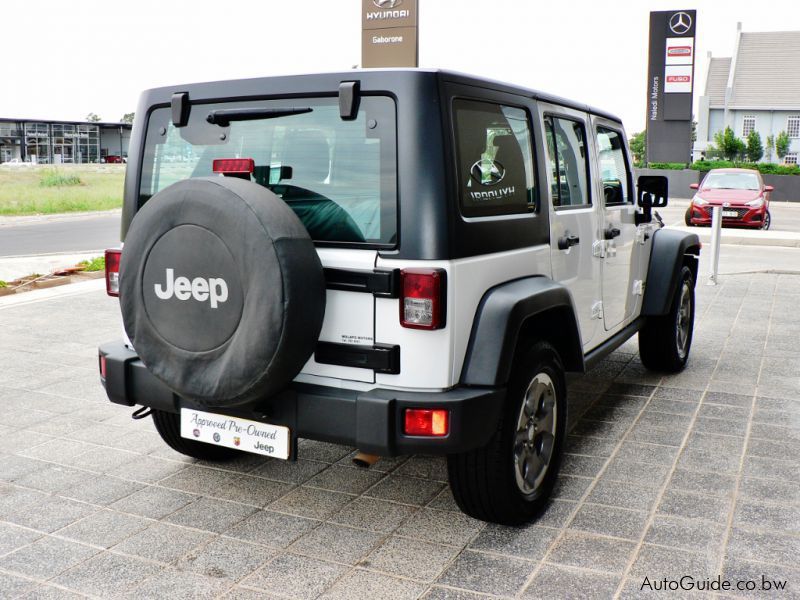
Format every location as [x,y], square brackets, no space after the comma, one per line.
[694,186]
[768,188]
[652,193]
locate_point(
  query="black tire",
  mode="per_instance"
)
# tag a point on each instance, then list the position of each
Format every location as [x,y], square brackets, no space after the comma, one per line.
[687,217]
[665,341]
[767,221]
[168,426]
[485,481]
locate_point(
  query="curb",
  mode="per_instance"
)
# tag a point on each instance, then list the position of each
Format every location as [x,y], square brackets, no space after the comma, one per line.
[785,239]
[7,221]
[73,289]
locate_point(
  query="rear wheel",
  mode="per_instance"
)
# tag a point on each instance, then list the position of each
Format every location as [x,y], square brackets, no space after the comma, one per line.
[509,480]
[665,341]
[168,426]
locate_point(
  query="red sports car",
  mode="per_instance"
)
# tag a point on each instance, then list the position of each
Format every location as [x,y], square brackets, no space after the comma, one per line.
[740,192]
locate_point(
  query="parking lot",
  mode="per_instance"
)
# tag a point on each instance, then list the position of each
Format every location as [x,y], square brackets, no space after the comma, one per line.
[689,475]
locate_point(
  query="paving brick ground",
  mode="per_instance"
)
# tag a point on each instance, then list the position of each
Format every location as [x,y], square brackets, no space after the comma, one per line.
[696,474]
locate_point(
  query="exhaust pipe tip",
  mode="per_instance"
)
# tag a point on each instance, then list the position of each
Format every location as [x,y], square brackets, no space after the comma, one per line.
[365,461]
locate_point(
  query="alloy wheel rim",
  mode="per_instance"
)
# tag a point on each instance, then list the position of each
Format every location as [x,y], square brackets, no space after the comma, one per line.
[535,435]
[683,320]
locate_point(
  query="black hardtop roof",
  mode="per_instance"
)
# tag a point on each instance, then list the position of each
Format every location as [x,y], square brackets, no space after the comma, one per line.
[365,75]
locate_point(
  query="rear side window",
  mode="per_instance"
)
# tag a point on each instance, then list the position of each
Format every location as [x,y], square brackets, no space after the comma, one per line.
[339,177]
[495,161]
[613,167]
[569,162]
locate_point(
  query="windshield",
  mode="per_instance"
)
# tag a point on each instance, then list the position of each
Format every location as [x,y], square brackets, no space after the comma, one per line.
[339,177]
[731,181]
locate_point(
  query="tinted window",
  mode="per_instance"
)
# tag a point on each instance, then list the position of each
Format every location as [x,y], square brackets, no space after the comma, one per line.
[613,167]
[340,177]
[568,161]
[495,164]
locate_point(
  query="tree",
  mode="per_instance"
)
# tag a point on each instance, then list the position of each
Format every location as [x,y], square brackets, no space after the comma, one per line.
[729,145]
[127,118]
[754,148]
[782,145]
[770,146]
[638,144]
[93,118]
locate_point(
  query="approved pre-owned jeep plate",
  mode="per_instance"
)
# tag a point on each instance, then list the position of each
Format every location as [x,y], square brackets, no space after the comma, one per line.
[403,261]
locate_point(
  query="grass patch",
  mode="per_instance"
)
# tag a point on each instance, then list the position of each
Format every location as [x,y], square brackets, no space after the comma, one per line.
[3,284]
[98,263]
[23,191]
[56,178]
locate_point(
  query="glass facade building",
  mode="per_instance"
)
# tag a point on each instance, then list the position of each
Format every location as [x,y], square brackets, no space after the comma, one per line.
[62,142]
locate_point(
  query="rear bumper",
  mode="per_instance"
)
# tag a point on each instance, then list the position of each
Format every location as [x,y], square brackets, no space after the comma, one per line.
[370,421]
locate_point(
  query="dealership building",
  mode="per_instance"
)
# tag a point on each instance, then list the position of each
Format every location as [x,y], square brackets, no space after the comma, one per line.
[757,89]
[60,142]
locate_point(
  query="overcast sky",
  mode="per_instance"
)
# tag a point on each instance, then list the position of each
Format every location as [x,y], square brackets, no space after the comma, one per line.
[63,59]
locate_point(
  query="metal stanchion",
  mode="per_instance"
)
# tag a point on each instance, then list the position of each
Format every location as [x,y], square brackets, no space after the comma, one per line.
[716,234]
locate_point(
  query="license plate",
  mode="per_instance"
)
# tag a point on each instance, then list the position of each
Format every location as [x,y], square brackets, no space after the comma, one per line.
[730,213]
[233,432]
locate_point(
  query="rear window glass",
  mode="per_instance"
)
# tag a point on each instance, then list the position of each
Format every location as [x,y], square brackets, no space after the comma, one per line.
[339,177]
[495,164]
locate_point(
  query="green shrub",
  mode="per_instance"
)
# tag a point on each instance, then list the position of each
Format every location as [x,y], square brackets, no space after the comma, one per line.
[98,263]
[773,169]
[765,168]
[55,178]
[3,284]
[667,166]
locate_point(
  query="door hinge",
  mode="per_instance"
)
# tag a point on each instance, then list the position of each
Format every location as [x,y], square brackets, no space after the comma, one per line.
[599,249]
[597,310]
[638,287]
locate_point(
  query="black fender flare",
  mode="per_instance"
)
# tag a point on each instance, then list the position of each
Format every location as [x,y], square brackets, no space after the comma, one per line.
[670,247]
[502,315]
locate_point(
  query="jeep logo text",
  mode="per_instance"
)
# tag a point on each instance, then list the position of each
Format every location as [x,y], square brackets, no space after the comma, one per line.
[215,290]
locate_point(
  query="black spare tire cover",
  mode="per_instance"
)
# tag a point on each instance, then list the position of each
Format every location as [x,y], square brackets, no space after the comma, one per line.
[222,292]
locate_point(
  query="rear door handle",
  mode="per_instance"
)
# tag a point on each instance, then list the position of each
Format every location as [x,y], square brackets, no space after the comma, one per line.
[567,241]
[611,232]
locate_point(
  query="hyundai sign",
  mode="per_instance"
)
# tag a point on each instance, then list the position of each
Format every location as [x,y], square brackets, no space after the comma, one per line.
[389,33]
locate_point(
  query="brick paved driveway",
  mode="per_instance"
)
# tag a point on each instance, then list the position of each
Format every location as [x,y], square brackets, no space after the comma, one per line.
[696,474]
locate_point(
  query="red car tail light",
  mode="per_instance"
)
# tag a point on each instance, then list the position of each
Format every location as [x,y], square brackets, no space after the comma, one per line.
[234,166]
[422,299]
[102,366]
[427,422]
[112,271]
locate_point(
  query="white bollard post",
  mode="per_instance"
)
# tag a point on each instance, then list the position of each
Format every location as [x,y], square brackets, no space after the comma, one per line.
[716,234]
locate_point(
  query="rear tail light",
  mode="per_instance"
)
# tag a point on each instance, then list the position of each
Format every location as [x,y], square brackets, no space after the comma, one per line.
[234,166]
[102,366]
[427,422]
[112,271]
[422,301]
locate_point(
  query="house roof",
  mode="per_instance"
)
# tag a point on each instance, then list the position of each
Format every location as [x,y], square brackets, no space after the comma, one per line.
[718,70]
[766,72]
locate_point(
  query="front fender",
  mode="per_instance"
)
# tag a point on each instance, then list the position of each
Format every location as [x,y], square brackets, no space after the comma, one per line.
[670,247]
